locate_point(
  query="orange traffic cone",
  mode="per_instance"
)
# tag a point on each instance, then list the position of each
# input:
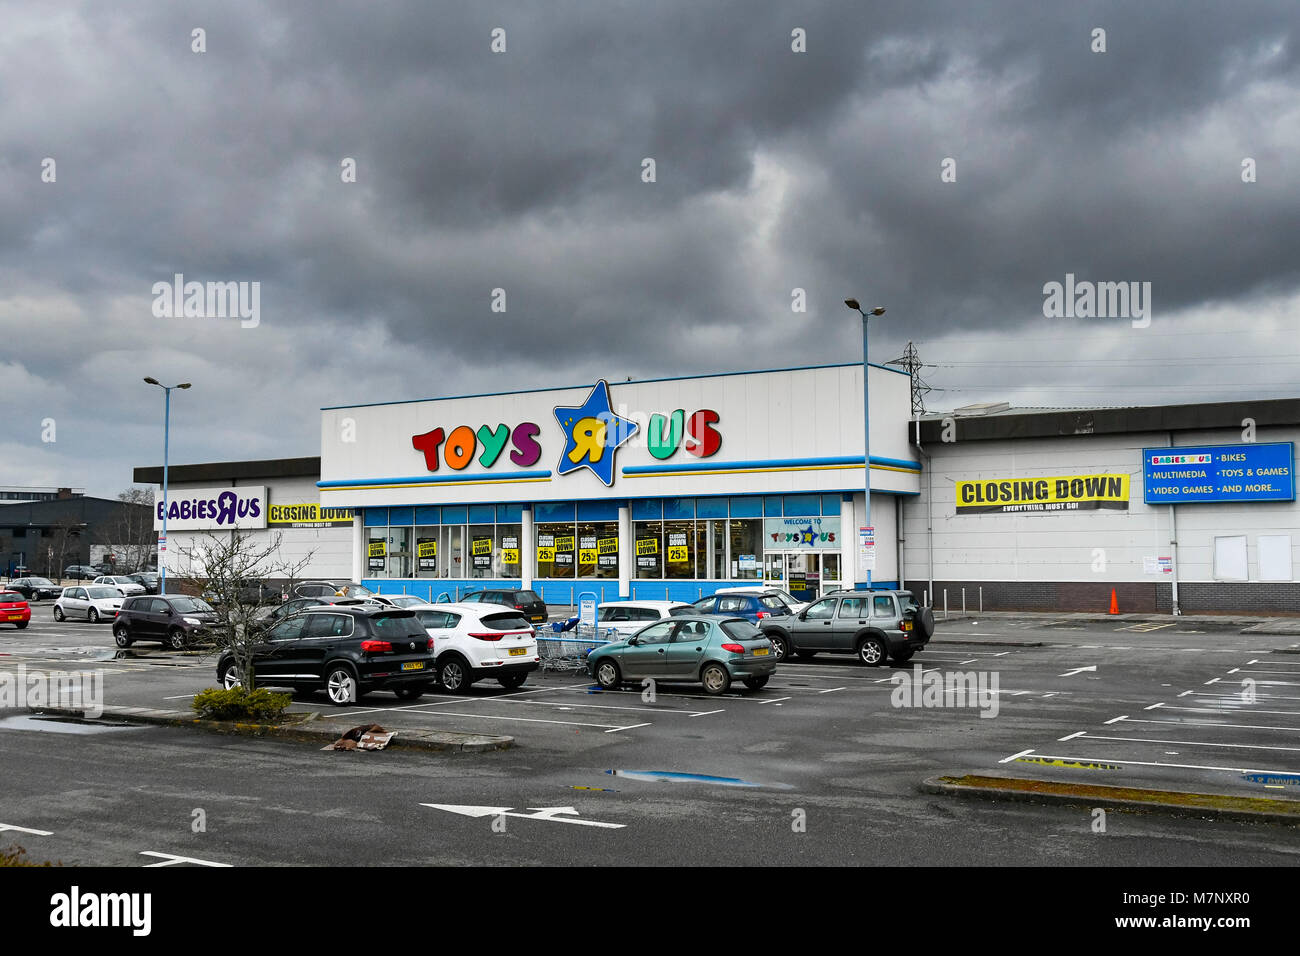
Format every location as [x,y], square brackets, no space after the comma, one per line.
[1114,604]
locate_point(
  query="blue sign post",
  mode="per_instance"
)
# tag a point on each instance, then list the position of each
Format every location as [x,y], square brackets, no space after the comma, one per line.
[1248,472]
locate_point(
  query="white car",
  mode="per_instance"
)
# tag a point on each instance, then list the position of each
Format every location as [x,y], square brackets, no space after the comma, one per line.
[628,617]
[94,602]
[404,601]
[786,598]
[125,585]
[474,642]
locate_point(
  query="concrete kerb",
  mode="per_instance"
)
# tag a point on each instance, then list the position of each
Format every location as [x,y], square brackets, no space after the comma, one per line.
[1182,803]
[296,730]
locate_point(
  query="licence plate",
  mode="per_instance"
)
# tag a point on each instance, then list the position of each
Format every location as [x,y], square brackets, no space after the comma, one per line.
[413,666]
[518,651]
[537,620]
[761,652]
[15,617]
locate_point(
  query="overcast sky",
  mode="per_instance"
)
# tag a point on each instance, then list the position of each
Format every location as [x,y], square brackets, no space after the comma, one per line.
[523,170]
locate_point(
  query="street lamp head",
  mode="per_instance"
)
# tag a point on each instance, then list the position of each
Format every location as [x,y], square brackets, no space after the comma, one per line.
[187,384]
[878,310]
[152,381]
[851,303]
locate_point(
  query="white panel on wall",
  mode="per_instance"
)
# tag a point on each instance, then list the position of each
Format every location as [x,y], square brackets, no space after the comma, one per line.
[1230,558]
[1275,557]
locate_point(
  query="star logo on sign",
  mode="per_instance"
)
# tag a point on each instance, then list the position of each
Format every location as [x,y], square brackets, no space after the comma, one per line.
[807,535]
[592,433]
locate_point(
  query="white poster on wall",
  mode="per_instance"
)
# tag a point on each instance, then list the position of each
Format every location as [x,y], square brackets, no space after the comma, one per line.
[1275,557]
[1230,558]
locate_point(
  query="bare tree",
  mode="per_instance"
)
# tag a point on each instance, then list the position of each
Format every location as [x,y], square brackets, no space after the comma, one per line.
[130,534]
[66,538]
[231,568]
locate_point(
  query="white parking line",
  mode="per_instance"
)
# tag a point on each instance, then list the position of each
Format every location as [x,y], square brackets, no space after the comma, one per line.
[831,690]
[706,713]
[170,859]
[1221,710]
[1237,696]
[560,703]
[1192,743]
[631,727]
[773,700]
[530,720]
[1077,733]
[1115,720]
[1208,723]
[1015,756]
[1149,763]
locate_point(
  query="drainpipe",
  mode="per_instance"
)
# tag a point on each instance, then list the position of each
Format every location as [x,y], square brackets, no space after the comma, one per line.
[1173,549]
[929,507]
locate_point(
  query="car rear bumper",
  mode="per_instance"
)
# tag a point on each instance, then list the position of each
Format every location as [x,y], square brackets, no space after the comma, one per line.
[385,675]
[755,667]
[527,666]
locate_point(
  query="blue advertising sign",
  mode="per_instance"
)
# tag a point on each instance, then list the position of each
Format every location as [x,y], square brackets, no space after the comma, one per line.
[1252,472]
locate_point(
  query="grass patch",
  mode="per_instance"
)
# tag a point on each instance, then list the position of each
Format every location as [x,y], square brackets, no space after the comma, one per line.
[1205,801]
[17,856]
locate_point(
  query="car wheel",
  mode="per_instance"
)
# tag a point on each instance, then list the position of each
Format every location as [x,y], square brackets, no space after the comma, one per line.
[511,681]
[780,645]
[715,679]
[607,675]
[58,613]
[756,683]
[230,676]
[925,622]
[122,635]
[176,639]
[902,657]
[93,615]
[22,624]
[409,693]
[872,651]
[453,674]
[341,685]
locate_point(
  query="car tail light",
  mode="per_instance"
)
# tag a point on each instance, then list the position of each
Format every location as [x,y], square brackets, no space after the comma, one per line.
[519,607]
[763,614]
[376,647]
[431,645]
[487,635]
[734,648]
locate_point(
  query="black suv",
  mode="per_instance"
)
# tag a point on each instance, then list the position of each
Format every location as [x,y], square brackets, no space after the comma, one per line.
[173,621]
[344,651]
[874,625]
[529,602]
[35,589]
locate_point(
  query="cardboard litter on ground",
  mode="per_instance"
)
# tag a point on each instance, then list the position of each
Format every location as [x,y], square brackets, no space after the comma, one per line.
[365,737]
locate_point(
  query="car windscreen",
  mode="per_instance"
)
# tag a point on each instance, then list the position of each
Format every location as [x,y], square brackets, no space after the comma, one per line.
[354,590]
[41,582]
[96,594]
[507,622]
[190,605]
[527,597]
[774,603]
[741,630]
[398,624]
[684,609]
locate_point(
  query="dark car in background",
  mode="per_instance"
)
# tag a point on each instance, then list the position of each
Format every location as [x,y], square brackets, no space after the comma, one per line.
[345,651]
[146,579]
[250,591]
[330,589]
[754,606]
[35,589]
[174,621]
[80,572]
[529,602]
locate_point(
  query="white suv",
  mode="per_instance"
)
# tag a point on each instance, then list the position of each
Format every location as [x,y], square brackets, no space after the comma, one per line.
[125,585]
[477,641]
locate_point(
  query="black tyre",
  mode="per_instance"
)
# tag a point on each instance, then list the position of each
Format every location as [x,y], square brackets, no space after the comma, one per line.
[122,635]
[511,681]
[58,613]
[756,683]
[176,639]
[454,676]
[93,615]
[872,651]
[607,675]
[410,692]
[341,685]
[230,676]
[924,623]
[780,645]
[715,679]
[902,657]
[22,624]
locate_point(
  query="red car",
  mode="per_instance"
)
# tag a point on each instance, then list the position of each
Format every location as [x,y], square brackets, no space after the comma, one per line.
[14,609]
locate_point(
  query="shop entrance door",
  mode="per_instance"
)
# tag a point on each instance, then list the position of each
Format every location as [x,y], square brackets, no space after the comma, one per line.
[807,575]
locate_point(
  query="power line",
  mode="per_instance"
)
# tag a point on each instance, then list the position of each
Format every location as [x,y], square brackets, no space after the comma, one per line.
[911,362]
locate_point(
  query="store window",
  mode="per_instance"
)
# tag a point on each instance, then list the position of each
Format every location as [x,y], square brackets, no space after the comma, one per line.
[680,549]
[426,551]
[377,551]
[508,553]
[556,547]
[648,537]
[746,548]
[482,546]
[399,552]
[598,549]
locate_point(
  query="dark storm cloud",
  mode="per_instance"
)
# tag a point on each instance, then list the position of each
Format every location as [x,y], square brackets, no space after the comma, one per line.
[522,171]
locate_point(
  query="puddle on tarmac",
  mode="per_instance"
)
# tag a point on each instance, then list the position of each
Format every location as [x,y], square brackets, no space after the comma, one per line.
[62,725]
[668,776]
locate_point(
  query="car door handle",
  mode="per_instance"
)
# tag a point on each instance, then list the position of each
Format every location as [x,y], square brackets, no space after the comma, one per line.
[661,650]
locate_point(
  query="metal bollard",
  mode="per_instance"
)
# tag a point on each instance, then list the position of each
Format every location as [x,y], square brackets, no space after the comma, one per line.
[981,599]
[945,604]
[925,599]
[963,602]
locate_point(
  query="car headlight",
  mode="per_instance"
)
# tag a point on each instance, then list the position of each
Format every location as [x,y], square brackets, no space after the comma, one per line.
[192,620]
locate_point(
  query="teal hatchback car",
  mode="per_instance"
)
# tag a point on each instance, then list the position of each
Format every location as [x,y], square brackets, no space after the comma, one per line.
[708,649]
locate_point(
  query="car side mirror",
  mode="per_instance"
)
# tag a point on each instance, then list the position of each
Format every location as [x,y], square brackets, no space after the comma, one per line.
[632,641]
[803,615]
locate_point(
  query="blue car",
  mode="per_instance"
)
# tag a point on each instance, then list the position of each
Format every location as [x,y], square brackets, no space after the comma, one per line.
[754,606]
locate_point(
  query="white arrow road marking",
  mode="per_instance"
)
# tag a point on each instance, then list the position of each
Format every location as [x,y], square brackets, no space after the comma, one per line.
[540,813]
[170,859]
[1078,670]
[10,826]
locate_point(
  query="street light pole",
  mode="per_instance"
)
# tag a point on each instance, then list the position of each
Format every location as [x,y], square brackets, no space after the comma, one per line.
[167,424]
[866,425]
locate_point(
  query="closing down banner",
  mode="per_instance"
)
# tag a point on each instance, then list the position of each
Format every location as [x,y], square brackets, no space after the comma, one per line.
[1056,493]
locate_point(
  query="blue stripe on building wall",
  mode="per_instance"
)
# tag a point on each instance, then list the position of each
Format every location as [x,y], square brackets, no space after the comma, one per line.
[563,592]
